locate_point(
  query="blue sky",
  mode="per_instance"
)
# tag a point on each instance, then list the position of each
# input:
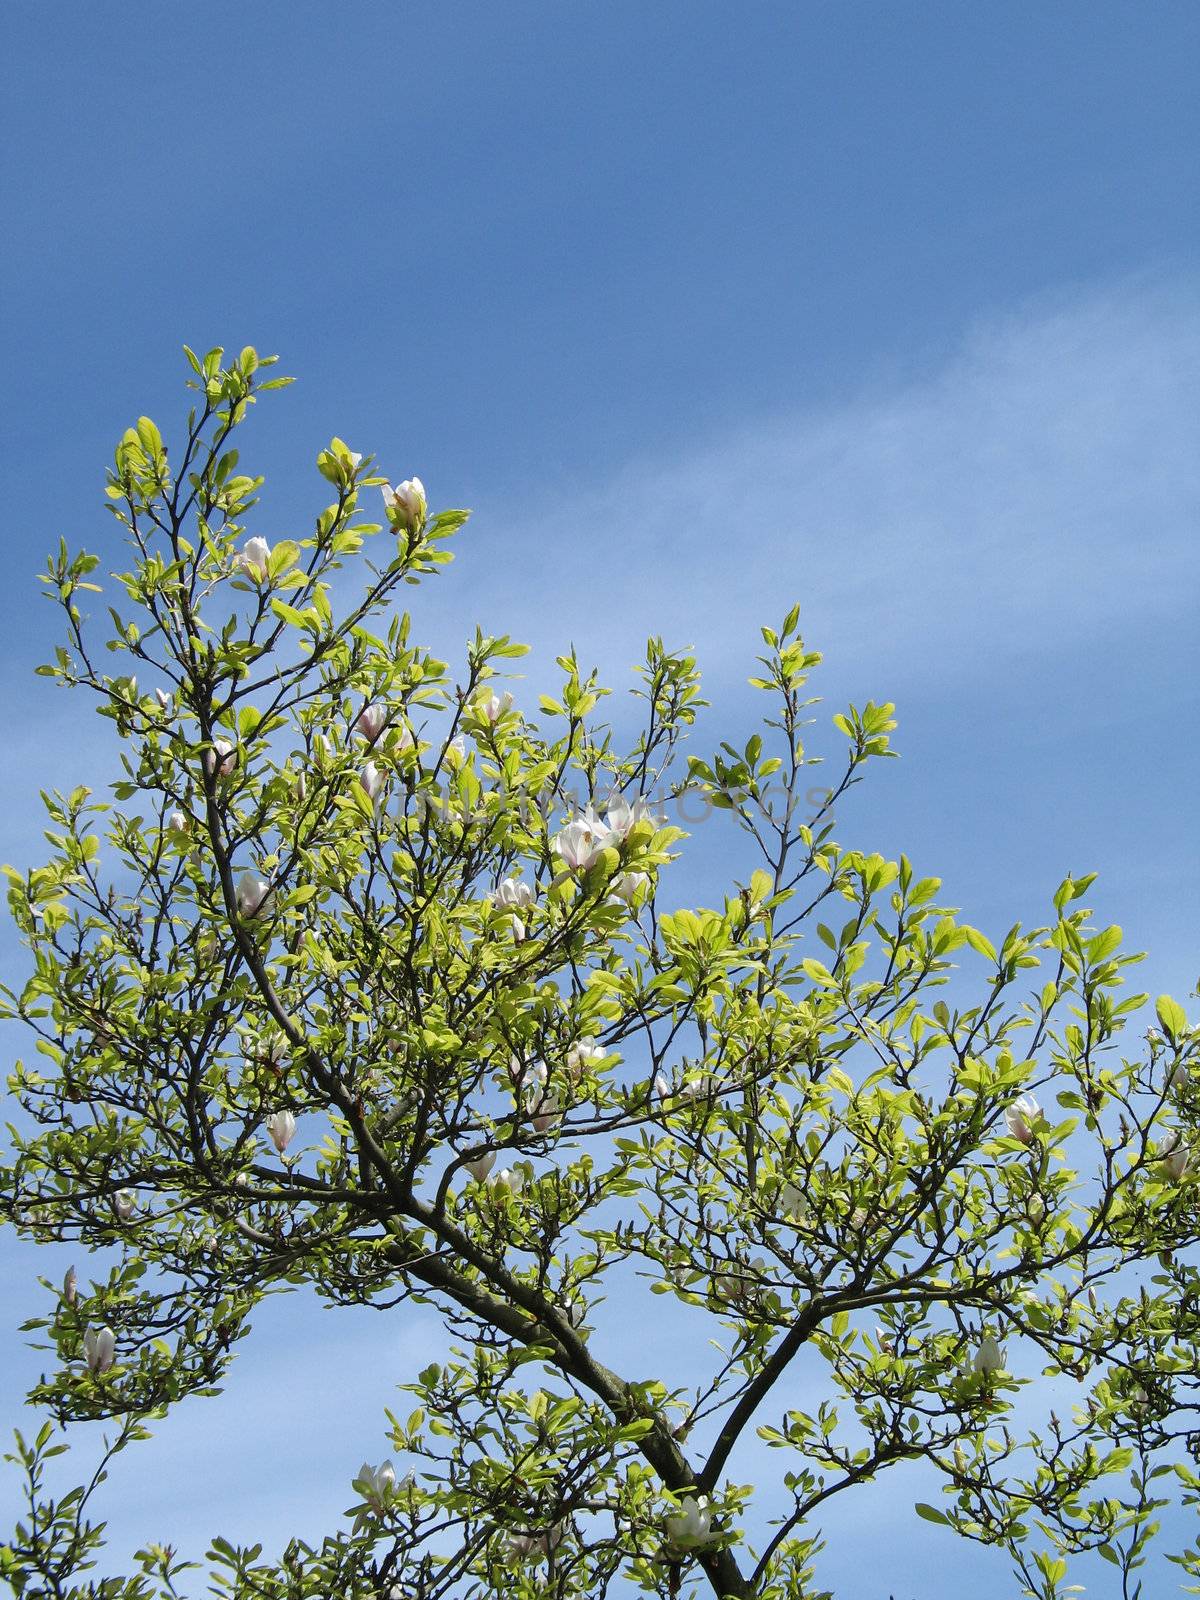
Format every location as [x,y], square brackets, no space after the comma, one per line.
[891,309]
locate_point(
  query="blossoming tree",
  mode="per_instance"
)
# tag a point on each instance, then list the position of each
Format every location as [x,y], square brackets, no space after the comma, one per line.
[366,979]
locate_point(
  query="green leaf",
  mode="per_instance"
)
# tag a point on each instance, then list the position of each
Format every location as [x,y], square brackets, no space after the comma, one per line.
[1172,1017]
[931,1514]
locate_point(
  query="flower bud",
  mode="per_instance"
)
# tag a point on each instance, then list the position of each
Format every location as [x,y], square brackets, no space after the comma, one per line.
[70,1288]
[372,780]
[481,1166]
[254,895]
[99,1348]
[281,1129]
[1178,1080]
[548,1114]
[1022,1117]
[221,759]
[1175,1157]
[989,1357]
[583,1056]
[371,721]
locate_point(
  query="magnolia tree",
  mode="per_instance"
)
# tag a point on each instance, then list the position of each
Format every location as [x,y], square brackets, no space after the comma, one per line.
[365,980]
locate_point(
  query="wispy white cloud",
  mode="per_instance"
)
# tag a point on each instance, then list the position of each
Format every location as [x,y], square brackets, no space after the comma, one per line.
[1037,490]
[1042,481]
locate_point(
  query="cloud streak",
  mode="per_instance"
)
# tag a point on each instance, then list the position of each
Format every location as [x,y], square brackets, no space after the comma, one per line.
[1042,482]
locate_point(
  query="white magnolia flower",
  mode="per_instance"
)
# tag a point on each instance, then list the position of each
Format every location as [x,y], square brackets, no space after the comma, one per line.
[379,1485]
[270,1053]
[581,842]
[179,822]
[510,1178]
[221,759]
[626,886]
[1022,1117]
[513,894]
[481,1166]
[166,701]
[531,1077]
[372,780]
[662,1087]
[741,1280]
[456,751]
[1178,1079]
[491,706]
[699,1086]
[535,1546]
[540,1544]
[792,1202]
[1175,1156]
[548,1113]
[377,1482]
[583,1055]
[406,504]
[622,817]
[99,1348]
[690,1526]
[371,721]
[281,1129]
[542,1103]
[252,559]
[253,895]
[989,1357]
[124,1204]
